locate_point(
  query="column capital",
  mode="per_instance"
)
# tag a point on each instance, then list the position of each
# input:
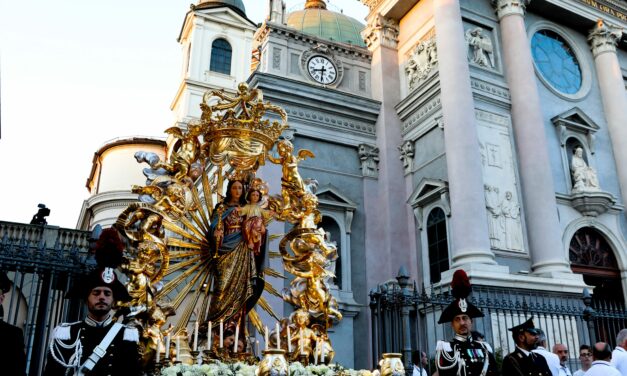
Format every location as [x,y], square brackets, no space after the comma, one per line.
[509,7]
[604,37]
[381,31]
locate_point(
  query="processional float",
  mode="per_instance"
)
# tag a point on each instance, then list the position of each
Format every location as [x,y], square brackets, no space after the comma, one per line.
[191,238]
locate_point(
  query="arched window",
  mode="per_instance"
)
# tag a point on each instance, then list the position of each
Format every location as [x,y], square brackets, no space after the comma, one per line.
[221,52]
[330,226]
[437,243]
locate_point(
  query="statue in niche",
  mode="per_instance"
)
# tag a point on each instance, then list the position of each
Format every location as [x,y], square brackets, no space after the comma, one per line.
[495,216]
[421,62]
[511,214]
[481,45]
[584,177]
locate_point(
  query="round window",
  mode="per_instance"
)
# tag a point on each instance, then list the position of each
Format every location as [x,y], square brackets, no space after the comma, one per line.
[556,61]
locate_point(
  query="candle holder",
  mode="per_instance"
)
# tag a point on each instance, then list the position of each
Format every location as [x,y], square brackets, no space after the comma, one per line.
[273,363]
[194,355]
[303,359]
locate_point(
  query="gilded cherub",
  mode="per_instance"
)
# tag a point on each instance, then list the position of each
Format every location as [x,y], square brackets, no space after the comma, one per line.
[185,154]
[302,336]
[292,185]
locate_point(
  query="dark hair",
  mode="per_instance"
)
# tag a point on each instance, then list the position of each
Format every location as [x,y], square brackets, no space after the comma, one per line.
[250,192]
[227,196]
[584,347]
[415,357]
[604,353]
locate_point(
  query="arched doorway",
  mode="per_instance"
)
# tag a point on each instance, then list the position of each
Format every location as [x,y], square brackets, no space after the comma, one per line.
[591,256]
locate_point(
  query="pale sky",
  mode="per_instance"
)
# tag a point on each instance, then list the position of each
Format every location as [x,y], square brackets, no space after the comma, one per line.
[78,73]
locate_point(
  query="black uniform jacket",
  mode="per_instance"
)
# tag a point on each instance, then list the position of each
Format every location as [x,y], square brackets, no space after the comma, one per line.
[12,356]
[519,364]
[121,358]
[473,354]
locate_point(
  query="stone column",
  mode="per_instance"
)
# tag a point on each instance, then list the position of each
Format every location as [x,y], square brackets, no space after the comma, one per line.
[603,40]
[470,241]
[538,190]
[386,236]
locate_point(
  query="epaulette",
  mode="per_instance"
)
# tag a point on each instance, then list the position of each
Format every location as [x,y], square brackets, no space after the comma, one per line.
[131,334]
[444,345]
[62,331]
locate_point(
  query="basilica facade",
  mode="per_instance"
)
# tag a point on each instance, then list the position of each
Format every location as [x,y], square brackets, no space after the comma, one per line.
[475,134]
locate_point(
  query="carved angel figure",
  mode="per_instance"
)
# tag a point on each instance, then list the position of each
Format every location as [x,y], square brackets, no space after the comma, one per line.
[481,45]
[185,153]
[292,185]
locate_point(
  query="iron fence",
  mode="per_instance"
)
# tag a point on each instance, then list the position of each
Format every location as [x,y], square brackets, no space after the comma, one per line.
[404,318]
[42,262]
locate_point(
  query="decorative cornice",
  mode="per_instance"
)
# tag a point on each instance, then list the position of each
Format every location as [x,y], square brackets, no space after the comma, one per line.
[425,110]
[371,4]
[510,7]
[604,38]
[381,31]
[330,121]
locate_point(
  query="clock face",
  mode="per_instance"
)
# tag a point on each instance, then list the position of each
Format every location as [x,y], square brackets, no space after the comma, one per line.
[322,70]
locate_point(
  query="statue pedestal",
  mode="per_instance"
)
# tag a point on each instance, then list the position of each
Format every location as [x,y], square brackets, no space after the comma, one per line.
[593,203]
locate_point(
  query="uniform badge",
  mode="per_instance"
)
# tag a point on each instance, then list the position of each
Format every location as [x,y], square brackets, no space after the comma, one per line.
[108,275]
[463,306]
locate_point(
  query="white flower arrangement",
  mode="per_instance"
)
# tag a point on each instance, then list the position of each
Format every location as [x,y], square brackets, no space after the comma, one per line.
[242,369]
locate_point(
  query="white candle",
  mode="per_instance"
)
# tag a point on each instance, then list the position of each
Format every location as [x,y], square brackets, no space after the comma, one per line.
[195,347]
[158,355]
[289,340]
[301,341]
[257,347]
[267,338]
[209,336]
[316,354]
[167,346]
[322,351]
[221,333]
[178,348]
[236,337]
[278,337]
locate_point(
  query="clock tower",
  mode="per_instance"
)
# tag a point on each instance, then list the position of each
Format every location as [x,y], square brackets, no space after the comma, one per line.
[314,63]
[216,40]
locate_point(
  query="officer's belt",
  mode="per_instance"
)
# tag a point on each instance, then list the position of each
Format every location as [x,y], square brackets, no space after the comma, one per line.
[100,350]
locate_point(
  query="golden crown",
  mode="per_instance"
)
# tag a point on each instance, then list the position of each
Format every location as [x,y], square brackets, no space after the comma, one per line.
[234,128]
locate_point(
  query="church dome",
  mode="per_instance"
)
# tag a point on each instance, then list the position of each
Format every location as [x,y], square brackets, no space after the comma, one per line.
[316,20]
[236,5]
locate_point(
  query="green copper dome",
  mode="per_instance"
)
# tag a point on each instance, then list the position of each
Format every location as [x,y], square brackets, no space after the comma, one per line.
[325,24]
[237,5]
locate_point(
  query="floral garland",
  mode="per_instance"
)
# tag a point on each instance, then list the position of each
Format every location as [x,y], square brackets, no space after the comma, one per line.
[242,369]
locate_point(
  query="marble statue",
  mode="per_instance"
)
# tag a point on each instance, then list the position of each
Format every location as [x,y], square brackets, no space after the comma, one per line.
[584,177]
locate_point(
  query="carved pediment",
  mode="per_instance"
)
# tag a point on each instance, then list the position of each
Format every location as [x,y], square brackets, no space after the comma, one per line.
[331,196]
[427,191]
[575,120]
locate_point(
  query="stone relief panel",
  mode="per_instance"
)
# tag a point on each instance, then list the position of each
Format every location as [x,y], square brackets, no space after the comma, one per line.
[480,47]
[500,182]
[407,156]
[276,58]
[369,157]
[422,60]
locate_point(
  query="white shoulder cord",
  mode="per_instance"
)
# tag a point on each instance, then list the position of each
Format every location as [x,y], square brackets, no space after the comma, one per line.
[456,360]
[486,361]
[75,359]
